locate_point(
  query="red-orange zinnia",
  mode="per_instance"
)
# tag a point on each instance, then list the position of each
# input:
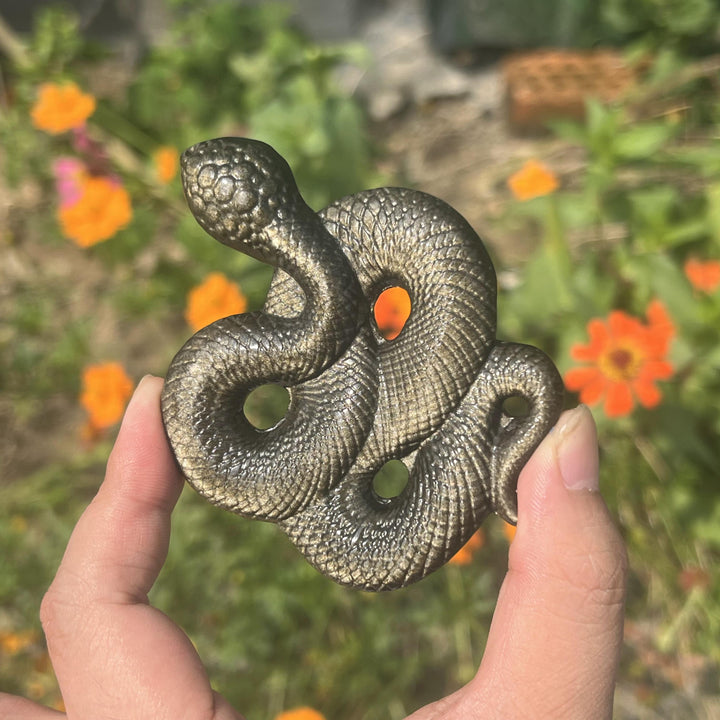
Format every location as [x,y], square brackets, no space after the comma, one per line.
[216,297]
[300,713]
[532,180]
[465,554]
[166,163]
[106,389]
[703,275]
[624,359]
[102,209]
[392,309]
[60,108]
[509,531]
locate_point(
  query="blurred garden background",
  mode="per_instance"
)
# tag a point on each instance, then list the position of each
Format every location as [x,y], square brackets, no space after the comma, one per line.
[581,140]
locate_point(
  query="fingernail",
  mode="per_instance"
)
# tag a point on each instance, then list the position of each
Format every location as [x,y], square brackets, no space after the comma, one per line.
[577,450]
[141,391]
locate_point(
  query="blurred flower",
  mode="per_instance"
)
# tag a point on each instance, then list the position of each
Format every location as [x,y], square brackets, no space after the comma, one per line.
[703,275]
[216,297]
[12,643]
[301,713]
[106,389]
[465,554]
[693,577]
[509,531]
[166,160]
[102,208]
[392,309]
[624,359]
[532,180]
[70,176]
[60,108]
[18,524]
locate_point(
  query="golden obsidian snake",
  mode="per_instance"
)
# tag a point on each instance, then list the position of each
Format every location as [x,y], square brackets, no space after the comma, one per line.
[432,398]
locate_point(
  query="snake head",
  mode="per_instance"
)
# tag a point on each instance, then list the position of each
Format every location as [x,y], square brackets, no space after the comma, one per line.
[236,188]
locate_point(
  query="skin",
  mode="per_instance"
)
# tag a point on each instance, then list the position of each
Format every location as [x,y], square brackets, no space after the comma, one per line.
[553,646]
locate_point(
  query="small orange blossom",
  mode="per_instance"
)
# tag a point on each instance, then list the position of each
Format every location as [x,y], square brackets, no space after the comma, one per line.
[165,159]
[102,209]
[532,180]
[703,275]
[625,358]
[216,297]
[60,108]
[300,713]
[106,389]
[392,309]
[509,531]
[12,643]
[465,554]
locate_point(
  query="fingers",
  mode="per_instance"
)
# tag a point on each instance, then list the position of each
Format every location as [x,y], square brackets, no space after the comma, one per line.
[555,639]
[113,654]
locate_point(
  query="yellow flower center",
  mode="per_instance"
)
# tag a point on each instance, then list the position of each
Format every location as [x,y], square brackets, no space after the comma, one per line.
[621,362]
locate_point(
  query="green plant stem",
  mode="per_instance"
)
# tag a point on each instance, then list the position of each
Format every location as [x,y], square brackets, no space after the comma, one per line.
[556,246]
[117,125]
[667,640]
[12,45]
[461,627]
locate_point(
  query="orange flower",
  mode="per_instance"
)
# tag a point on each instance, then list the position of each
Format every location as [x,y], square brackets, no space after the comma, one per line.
[624,359]
[60,108]
[704,276]
[12,643]
[465,554]
[166,163]
[102,209]
[509,531]
[392,309]
[216,297]
[300,713]
[532,180]
[106,389]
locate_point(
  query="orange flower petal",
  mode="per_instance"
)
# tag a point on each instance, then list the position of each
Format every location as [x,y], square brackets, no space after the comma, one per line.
[577,378]
[300,713]
[703,275]
[391,311]
[102,209]
[216,297]
[106,388]
[60,108]
[532,180]
[619,400]
[465,554]
[166,161]
[647,393]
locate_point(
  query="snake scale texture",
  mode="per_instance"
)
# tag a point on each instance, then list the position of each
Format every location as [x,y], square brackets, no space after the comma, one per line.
[432,398]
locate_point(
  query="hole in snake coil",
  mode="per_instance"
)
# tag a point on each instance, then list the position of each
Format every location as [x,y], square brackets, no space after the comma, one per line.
[516,406]
[391,311]
[266,405]
[391,479]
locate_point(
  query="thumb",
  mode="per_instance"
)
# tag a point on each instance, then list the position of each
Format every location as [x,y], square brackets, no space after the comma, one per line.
[555,639]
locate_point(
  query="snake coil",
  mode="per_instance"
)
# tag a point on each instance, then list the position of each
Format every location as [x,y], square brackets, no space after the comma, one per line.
[432,398]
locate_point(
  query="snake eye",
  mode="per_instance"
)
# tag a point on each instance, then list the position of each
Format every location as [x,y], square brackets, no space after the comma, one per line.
[391,311]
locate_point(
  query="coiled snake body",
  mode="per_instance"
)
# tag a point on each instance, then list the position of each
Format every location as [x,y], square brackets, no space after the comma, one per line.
[433,397]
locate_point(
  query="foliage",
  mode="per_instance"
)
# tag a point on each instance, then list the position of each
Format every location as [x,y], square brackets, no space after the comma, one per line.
[688,25]
[616,238]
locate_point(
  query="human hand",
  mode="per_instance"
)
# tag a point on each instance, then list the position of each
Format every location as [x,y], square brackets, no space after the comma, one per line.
[554,641]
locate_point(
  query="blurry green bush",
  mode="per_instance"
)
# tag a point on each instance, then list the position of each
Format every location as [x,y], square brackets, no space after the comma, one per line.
[636,233]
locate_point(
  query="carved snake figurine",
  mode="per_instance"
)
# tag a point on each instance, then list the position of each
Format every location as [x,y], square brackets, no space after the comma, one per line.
[432,398]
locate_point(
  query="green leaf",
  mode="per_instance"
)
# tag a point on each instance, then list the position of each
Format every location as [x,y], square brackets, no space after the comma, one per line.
[643,141]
